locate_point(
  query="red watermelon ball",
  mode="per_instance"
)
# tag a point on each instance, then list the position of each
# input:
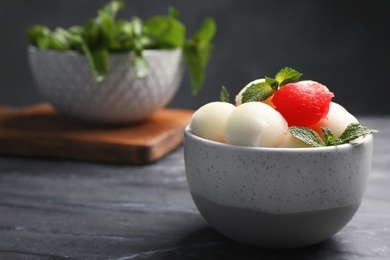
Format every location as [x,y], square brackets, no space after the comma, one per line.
[302,103]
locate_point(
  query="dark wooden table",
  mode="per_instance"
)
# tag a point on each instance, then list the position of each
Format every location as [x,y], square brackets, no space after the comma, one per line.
[62,209]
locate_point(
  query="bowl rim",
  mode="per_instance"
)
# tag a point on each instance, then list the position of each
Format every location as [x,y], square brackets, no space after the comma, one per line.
[34,49]
[366,139]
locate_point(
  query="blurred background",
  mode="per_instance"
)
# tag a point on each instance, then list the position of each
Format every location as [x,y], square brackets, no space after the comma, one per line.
[343,44]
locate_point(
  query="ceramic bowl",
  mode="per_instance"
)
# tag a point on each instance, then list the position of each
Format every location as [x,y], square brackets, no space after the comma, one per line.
[277,197]
[65,80]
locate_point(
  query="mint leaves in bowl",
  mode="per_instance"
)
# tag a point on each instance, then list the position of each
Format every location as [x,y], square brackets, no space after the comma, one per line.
[117,71]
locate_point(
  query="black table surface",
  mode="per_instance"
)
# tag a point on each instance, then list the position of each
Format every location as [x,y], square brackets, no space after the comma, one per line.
[62,209]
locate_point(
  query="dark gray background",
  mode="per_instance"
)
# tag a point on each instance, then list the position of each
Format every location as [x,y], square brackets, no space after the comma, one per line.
[342,44]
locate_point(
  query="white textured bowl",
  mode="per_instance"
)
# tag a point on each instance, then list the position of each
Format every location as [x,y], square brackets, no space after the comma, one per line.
[277,197]
[65,80]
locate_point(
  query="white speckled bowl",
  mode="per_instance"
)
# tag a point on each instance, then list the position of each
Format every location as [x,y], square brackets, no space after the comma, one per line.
[66,81]
[277,197]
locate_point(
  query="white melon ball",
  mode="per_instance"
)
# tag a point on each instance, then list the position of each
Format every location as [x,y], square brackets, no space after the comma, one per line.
[337,119]
[209,120]
[255,124]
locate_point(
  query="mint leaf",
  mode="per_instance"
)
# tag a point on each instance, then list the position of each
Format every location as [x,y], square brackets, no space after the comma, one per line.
[141,67]
[96,72]
[106,24]
[60,39]
[224,95]
[353,131]
[136,28]
[309,136]
[108,28]
[173,12]
[197,51]
[39,36]
[92,32]
[100,60]
[113,7]
[166,31]
[306,135]
[273,83]
[205,32]
[329,138]
[196,60]
[287,75]
[257,92]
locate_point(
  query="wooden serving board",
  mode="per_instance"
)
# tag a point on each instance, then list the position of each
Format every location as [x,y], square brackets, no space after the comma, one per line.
[39,130]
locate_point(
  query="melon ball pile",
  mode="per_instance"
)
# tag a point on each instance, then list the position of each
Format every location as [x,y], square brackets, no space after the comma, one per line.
[265,123]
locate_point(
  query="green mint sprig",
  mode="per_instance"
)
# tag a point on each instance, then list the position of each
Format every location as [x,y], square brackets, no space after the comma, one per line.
[97,37]
[263,90]
[310,137]
[197,51]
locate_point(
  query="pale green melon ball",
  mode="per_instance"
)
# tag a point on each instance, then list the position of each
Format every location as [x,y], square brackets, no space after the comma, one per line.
[291,142]
[209,120]
[337,119]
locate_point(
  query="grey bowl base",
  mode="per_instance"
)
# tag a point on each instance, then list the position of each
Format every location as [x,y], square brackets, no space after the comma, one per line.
[275,231]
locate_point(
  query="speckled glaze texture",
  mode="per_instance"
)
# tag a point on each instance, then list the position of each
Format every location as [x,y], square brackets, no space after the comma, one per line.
[65,80]
[278,181]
